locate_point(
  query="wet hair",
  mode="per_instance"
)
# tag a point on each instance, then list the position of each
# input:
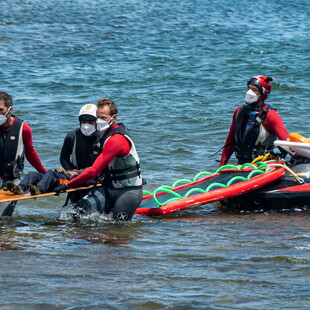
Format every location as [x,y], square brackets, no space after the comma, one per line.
[107,102]
[8,101]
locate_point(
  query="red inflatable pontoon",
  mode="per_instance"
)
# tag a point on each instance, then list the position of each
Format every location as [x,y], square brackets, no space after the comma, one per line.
[225,184]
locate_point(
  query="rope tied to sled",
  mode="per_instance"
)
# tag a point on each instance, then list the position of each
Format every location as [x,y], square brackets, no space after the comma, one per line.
[269,159]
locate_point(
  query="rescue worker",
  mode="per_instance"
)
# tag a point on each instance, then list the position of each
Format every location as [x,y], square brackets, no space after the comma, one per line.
[255,125]
[117,167]
[83,145]
[15,144]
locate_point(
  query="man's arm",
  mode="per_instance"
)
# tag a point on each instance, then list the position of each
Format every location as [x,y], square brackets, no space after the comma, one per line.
[66,151]
[30,152]
[274,124]
[230,142]
[117,145]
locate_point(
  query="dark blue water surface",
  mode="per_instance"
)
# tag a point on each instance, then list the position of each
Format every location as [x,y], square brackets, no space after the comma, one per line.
[177,70]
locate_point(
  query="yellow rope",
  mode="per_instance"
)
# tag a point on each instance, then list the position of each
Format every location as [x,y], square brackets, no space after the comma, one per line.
[297,178]
[268,159]
[265,158]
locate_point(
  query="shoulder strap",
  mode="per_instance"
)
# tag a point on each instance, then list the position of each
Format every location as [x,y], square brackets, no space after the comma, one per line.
[263,113]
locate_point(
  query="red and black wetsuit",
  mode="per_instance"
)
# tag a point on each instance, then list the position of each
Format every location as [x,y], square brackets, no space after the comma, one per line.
[247,144]
[15,144]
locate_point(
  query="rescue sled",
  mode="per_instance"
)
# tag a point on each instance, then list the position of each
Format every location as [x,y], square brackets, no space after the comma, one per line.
[292,190]
[227,182]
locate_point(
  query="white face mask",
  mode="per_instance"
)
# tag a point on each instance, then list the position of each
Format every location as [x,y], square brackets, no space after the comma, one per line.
[4,118]
[103,125]
[251,97]
[88,129]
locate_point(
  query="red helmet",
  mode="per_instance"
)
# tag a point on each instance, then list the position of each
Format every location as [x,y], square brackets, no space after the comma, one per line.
[263,84]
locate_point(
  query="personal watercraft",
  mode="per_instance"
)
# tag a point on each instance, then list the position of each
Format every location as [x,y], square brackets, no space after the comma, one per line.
[291,191]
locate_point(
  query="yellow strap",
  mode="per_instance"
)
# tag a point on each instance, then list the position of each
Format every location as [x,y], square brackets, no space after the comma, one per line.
[265,157]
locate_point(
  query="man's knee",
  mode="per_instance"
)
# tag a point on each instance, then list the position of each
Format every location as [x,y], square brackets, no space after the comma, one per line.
[122,216]
[126,206]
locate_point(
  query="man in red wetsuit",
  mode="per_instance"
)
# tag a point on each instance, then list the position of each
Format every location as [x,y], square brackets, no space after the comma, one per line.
[15,144]
[117,167]
[255,125]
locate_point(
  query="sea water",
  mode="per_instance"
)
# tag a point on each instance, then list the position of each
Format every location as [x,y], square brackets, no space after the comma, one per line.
[176,70]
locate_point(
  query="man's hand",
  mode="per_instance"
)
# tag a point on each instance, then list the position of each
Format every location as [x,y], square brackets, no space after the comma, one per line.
[61,188]
[60,170]
[70,174]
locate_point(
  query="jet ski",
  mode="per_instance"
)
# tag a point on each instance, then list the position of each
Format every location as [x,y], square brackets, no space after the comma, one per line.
[291,191]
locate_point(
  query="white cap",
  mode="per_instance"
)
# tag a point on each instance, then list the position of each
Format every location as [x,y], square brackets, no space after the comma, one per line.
[88,112]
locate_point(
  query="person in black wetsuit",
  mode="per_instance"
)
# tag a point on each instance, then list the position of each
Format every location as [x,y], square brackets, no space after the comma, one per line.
[83,145]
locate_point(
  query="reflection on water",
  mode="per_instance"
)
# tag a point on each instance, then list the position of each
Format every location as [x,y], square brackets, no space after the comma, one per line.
[93,229]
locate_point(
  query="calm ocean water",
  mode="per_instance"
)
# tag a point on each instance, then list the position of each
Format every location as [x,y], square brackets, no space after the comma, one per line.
[177,70]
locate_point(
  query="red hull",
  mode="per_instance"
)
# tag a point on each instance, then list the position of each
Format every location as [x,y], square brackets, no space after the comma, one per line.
[210,196]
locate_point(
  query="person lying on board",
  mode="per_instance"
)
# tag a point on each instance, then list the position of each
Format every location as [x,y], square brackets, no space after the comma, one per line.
[35,183]
[255,125]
